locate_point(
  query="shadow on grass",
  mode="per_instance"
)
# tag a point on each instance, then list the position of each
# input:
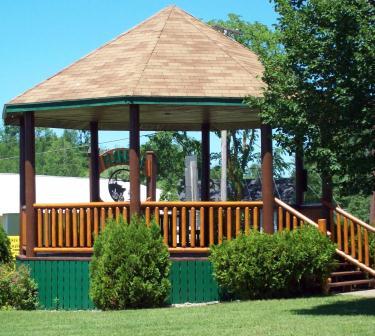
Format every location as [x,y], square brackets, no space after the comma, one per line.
[365,306]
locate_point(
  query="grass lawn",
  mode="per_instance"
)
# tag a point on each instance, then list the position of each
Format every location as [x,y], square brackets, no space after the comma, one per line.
[333,315]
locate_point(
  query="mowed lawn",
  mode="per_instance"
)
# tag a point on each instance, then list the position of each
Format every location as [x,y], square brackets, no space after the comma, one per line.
[332,315]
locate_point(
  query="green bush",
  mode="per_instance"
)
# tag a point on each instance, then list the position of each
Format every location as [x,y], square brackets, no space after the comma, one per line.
[17,289]
[130,266]
[264,266]
[5,254]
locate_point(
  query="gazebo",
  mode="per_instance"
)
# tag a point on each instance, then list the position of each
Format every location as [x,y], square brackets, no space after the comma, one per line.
[171,72]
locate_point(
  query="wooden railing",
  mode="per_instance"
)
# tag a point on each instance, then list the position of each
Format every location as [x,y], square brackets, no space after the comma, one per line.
[185,226]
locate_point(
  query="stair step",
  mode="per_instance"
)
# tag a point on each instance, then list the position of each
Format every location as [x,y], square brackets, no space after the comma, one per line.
[351,283]
[344,273]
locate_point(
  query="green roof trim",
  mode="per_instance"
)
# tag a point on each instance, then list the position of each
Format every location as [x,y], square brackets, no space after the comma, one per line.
[67,104]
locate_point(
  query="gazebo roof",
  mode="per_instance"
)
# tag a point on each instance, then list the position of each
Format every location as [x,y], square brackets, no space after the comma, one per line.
[181,71]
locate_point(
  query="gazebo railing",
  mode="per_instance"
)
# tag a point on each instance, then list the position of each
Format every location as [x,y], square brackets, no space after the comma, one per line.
[188,227]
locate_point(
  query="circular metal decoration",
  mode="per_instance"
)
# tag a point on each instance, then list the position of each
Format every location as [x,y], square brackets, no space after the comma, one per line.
[117,184]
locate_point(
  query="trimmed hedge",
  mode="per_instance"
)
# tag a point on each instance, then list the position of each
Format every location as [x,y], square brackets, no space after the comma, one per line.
[130,266]
[279,265]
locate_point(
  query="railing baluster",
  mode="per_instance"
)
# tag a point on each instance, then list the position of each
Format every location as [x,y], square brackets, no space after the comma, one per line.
[220,225]
[280,218]
[53,227]
[157,216]
[202,228]
[174,227]
[96,222]
[295,223]
[183,227]
[67,228]
[352,237]
[147,216]
[338,225]
[74,222]
[238,221]
[125,213]
[367,257]
[360,246]
[192,227]
[211,226]
[165,225]
[110,213]
[287,219]
[255,218]
[102,219]
[40,228]
[346,238]
[88,232]
[247,221]
[229,223]
[117,212]
[81,227]
[61,228]
[332,227]
[46,228]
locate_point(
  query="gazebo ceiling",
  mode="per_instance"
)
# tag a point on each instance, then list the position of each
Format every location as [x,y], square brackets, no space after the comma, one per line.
[180,71]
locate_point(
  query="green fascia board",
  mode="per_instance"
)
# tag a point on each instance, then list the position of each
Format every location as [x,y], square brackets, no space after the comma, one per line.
[66,104]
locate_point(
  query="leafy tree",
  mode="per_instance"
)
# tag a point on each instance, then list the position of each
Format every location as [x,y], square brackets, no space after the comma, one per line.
[170,149]
[320,87]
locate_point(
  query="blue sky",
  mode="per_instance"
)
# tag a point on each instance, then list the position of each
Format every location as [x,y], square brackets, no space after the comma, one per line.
[40,37]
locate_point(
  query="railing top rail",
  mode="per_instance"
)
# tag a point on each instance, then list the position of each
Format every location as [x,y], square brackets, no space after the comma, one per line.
[149,204]
[350,216]
[295,212]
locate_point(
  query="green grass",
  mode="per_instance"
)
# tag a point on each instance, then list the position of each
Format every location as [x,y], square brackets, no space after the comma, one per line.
[332,315]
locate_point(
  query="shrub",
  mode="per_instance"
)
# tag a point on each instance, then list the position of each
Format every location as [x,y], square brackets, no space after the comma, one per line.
[5,254]
[264,266]
[130,266]
[17,289]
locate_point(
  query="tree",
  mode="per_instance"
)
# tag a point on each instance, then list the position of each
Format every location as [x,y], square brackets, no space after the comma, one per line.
[170,149]
[320,87]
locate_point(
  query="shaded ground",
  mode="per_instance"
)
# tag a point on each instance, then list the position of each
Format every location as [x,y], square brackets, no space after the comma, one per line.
[335,315]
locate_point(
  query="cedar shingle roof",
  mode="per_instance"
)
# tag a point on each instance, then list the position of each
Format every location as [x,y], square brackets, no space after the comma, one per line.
[171,54]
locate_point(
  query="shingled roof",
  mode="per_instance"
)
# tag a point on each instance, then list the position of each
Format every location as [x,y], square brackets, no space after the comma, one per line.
[171,58]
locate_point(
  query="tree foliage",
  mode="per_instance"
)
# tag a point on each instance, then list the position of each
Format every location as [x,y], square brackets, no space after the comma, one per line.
[320,87]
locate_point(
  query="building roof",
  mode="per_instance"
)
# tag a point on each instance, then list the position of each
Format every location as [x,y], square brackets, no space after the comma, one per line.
[171,58]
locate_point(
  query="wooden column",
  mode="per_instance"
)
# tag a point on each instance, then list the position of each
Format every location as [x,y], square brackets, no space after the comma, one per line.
[205,152]
[135,201]
[267,178]
[151,174]
[29,166]
[300,174]
[22,183]
[94,163]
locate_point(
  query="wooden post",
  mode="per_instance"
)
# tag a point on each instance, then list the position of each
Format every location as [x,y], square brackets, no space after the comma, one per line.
[267,178]
[322,223]
[135,201]
[29,166]
[205,151]
[94,163]
[151,174]
[299,182]
[22,183]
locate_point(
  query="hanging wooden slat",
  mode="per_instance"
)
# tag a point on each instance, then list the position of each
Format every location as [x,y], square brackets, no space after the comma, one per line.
[202,228]
[280,218]
[165,226]
[220,225]
[192,227]
[68,225]
[40,227]
[53,228]
[74,222]
[88,229]
[183,227]
[229,223]
[61,228]
[247,220]
[174,227]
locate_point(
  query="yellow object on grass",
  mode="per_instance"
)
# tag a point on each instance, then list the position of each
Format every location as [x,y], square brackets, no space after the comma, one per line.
[14,245]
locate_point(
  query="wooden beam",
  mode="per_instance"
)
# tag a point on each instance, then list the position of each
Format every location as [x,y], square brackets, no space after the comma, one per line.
[29,166]
[94,163]
[267,178]
[135,201]
[205,173]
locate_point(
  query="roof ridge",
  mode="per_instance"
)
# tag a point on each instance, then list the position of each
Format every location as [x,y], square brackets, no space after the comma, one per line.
[153,49]
[221,35]
[93,51]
